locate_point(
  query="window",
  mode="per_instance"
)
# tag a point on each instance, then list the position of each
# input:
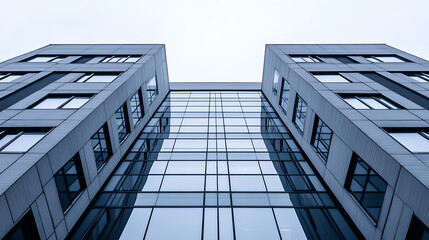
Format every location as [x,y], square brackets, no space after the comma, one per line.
[331,78]
[121,59]
[417,141]
[419,77]
[417,230]
[284,98]
[95,77]
[366,186]
[101,146]
[370,102]
[25,229]
[300,111]
[136,107]
[45,59]
[19,141]
[9,77]
[54,101]
[152,90]
[84,59]
[122,123]
[308,59]
[385,59]
[322,136]
[70,182]
[276,81]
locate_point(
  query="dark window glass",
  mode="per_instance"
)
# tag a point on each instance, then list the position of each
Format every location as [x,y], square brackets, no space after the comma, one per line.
[322,138]
[366,186]
[284,98]
[344,59]
[101,146]
[122,123]
[300,111]
[136,107]
[25,229]
[70,181]
[83,59]
[370,102]
[417,230]
[152,90]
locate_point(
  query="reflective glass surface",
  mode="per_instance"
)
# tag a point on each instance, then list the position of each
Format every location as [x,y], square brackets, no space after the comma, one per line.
[151,89]
[214,165]
[322,138]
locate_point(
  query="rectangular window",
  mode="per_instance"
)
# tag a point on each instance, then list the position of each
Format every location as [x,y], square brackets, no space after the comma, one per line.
[97,78]
[121,59]
[384,59]
[25,229]
[101,146]
[300,111]
[330,78]
[419,77]
[284,98]
[366,186]
[18,140]
[417,230]
[152,90]
[369,102]
[275,81]
[9,77]
[136,107]
[45,59]
[415,140]
[70,182]
[306,59]
[84,59]
[322,136]
[122,123]
[59,101]
[321,58]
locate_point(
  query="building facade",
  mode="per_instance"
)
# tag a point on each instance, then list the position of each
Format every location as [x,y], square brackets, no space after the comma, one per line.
[95,143]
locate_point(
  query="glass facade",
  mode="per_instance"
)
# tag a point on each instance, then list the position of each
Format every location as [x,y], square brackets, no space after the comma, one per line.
[366,186]
[136,107]
[214,165]
[152,90]
[322,138]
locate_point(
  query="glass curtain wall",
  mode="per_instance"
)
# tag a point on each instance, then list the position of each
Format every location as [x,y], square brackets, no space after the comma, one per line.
[214,165]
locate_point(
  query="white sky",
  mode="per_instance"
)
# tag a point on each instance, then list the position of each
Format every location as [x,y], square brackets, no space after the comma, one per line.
[217,40]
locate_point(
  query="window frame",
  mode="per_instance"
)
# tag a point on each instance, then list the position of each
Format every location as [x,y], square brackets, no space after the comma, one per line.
[315,74]
[282,93]
[315,137]
[375,58]
[423,76]
[18,132]
[108,146]
[90,75]
[80,178]
[295,118]
[124,123]
[386,102]
[122,58]
[347,185]
[55,58]
[416,229]
[423,132]
[6,75]
[139,108]
[70,96]
[152,96]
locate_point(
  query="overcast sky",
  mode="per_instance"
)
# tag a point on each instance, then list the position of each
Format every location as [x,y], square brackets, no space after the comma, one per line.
[218,40]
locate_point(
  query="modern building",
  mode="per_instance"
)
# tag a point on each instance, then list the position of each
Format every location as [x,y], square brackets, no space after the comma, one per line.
[95,143]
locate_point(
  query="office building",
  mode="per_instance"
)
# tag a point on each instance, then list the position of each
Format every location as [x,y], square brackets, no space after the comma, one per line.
[95,143]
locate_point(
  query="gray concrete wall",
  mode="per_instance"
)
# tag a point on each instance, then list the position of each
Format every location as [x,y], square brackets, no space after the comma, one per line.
[359,131]
[26,180]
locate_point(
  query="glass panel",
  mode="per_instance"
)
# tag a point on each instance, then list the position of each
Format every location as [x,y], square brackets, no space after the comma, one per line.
[374,104]
[289,224]
[175,223]
[9,78]
[331,78]
[136,227]
[255,223]
[102,78]
[41,59]
[355,103]
[51,103]
[24,142]
[76,102]
[391,59]
[413,141]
